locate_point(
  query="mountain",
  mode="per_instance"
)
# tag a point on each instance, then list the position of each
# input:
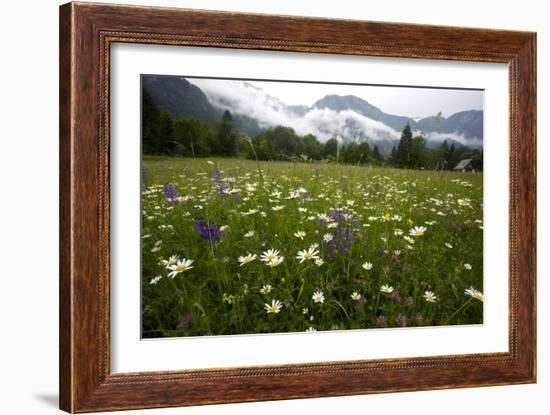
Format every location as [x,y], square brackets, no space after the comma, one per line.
[347,117]
[180,97]
[351,102]
[466,123]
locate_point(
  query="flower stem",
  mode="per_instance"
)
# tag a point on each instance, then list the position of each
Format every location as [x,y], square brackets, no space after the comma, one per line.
[457,311]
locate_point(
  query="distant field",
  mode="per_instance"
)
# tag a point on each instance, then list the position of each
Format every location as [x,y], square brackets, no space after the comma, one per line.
[351,247]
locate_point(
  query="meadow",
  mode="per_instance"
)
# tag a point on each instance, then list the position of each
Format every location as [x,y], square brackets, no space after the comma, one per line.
[233,246]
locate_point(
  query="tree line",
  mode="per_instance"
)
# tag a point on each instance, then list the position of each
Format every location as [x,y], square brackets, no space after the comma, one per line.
[163,134]
[412,153]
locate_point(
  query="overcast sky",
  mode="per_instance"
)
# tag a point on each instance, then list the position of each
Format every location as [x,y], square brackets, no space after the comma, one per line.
[411,102]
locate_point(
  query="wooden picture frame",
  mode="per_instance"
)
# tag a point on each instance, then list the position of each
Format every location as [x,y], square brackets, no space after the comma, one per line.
[86,33]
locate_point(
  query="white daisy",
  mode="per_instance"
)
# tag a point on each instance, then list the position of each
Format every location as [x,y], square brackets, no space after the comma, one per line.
[275,262]
[430,297]
[417,231]
[468,267]
[323,217]
[318,297]
[180,266]
[327,237]
[448,245]
[249,212]
[274,308]
[300,235]
[319,262]
[367,266]
[170,261]
[246,259]
[249,234]
[269,255]
[355,296]
[311,330]
[155,280]
[266,289]
[472,292]
[306,255]
[386,289]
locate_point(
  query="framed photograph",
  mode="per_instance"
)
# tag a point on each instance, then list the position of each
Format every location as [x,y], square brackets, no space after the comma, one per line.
[259,207]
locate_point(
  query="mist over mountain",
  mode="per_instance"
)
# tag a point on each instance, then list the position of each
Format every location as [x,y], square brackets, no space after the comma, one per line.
[348,118]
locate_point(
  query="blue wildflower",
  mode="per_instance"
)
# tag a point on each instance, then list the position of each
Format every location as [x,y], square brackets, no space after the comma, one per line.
[219,183]
[170,192]
[346,224]
[209,231]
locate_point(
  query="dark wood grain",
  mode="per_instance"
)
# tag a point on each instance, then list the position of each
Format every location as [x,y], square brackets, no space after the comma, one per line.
[65,246]
[86,33]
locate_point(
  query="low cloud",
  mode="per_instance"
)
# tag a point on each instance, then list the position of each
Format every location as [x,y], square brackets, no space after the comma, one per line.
[243,98]
[459,138]
[246,99]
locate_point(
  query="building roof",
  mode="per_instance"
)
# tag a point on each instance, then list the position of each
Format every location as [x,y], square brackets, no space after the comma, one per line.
[463,164]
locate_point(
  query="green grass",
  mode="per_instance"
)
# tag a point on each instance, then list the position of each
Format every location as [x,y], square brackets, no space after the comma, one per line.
[218,296]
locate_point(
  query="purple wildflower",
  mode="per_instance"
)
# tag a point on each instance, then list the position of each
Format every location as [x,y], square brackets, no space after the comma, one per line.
[409,301]
[220,185]
[419,319]
[346,224]
[170,192]
[381,321]
[185,322]
[395,296]
[394,258]
[401,320]
[386,269]
[209,231]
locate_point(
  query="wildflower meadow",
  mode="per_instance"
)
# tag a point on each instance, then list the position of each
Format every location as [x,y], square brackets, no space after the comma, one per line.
[235,246]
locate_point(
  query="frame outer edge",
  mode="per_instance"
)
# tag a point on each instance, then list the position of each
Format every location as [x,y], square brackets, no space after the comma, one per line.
[82,388]
[528,120]
[66,120]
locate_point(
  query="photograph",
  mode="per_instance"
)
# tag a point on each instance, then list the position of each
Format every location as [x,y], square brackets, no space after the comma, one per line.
[288,206]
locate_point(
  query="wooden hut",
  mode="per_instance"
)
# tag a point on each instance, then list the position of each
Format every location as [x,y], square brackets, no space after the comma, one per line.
[465,165]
